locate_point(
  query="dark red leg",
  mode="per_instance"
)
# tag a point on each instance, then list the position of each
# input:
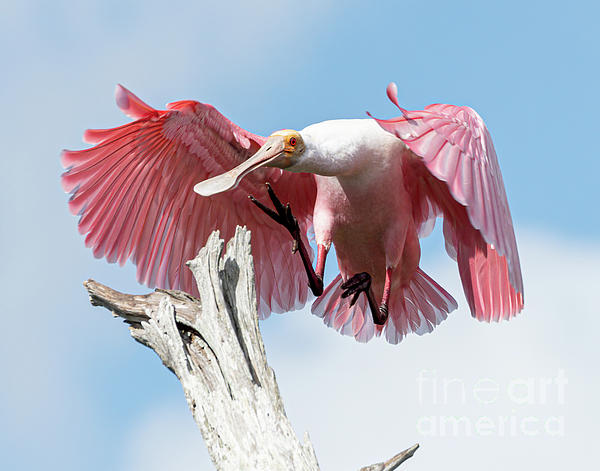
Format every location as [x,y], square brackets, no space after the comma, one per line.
[387,288]
[283,215]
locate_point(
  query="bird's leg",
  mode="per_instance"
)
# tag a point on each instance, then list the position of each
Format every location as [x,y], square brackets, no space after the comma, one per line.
[321,257]
[283,215]
[361,283]
[385,299]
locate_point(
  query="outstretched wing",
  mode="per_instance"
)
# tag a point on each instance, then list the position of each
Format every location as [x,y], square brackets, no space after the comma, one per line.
[134,194]
[455,172]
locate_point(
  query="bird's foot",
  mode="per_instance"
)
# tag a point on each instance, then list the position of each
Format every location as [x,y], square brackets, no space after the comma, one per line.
[381,315]
[353,286]
[361,283]
[282,215]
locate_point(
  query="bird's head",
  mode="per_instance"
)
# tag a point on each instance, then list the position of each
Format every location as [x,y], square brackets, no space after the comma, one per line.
[292,146]
[282,150]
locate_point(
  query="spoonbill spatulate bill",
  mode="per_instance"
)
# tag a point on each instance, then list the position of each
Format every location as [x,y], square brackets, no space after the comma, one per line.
[152,190]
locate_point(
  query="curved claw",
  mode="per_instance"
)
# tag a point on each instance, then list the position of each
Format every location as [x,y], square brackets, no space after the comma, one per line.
[272,214]
[282,214]
[359,283]
[383,315]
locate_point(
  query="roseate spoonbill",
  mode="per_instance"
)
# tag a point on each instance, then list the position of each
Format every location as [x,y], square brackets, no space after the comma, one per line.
[370,187]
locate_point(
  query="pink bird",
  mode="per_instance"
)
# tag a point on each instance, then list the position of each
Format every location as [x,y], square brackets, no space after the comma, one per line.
[370,187]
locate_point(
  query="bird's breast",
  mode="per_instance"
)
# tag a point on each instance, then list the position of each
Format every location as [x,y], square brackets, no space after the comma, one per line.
[361,214]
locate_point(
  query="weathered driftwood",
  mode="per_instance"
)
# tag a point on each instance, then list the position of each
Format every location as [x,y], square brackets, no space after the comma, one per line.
[214,346]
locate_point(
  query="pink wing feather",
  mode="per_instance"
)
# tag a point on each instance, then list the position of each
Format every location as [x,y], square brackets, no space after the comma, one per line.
[453,145]
[134,193]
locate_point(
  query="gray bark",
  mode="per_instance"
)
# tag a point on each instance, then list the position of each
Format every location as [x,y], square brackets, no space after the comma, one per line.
[214,346]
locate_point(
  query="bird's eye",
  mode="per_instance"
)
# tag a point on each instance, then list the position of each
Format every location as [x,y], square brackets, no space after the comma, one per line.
[292,141]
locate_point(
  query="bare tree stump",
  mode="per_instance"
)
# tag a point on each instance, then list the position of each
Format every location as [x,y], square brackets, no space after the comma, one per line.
[214,346]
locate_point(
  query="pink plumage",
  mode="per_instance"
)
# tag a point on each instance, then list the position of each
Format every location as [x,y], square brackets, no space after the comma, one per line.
[133,193]
[369,189]
[456,148]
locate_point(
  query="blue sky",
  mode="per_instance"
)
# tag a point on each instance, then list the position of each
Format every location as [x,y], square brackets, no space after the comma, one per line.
[78,393]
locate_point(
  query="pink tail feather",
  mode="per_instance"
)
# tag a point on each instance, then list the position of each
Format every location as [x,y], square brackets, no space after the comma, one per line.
[417,308]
